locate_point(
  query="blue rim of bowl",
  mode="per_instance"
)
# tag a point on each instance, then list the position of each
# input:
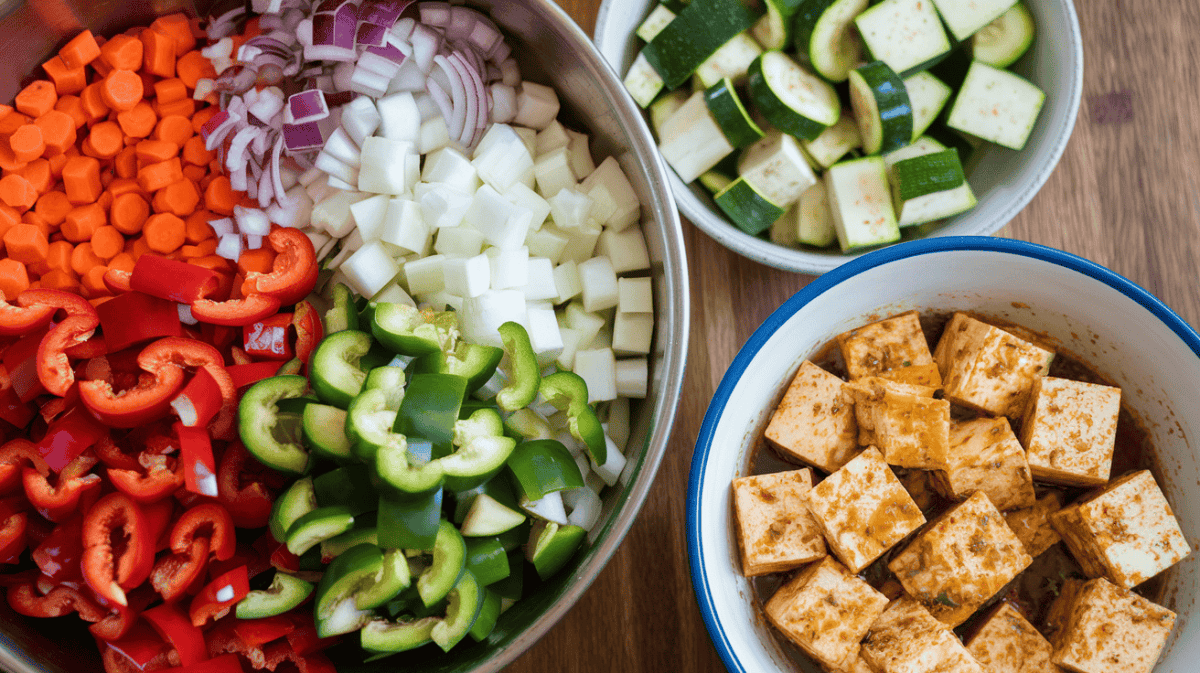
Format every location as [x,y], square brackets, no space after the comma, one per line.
[815,289]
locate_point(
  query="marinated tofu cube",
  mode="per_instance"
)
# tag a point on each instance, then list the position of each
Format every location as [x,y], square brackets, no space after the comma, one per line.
[919,484]
[1032,524]
[985,456]
[960,560]
[815,420]
[1060,611]
[1127,533]
[1110,630]
[775,530]
[863,510]
[853,664]
[986,368]
[908,426]
[907,639]
[1007,643]
[825,610]
[1069,431]
[893,349]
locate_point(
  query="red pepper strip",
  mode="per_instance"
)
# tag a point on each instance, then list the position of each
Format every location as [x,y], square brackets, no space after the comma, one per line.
[116,660]
[255,632]
[277,653]
[172,624]
[199,401]
[268,338]
[59,554]
[133,317]
[56,503]
[68,437]
[207,520]
[175,573]
[12,408]
[17,320]
[256,562]
[139,646]
[284,560]
[159,516]
[247,501]
[226,663]
[199,355]
[309,330]
[69,302]
[13,537]
[118,281]
[157,483]
[220,595]
[245,375]
[53,366]
[59,601]
[122,618]
[92,348]
[136,406]
[20,361]
[112,562]
[56,406]
[110,453]
[235,312]
[168,279]
[223,638]
[14,455]
[294,271]
[196,455]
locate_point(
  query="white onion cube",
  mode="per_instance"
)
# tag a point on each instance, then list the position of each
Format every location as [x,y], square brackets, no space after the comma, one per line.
[502,157]
[570,208]
[385,166]
[544,333]
[632,333]
[570,339]
[467,277]
[448,166]
[616,204]
[360,118]
[426,276]
[614,464]
[369,269]
[462,241]
[540,284]
[229,246]
[510,268]
[434,135]
[523,196]
[502,223]
[537,105]
[566,279]
[617,425]
[551,138]
[333,214]
[547,242]
[399,117]
[626,249]
[599,283]
[581,155]
[552,171]
[369,214]
[480,317]
[598,368]
[633,376]
[441,205]
[341,147]
[636,295]
[588,324]
[404,226]
[504,103]
[392,293]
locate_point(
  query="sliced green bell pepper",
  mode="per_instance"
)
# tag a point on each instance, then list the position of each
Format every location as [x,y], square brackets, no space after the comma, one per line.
[512,587]
[335,369]
[410,524]
[551,546]
[343,315]
[316,526]
[286,592]
[430,409]
[369,424]
[567,391]
[336,546]
[391,381]
[463,604]
[349,486]
[489,614]
[394,579]
[544,466]
[334,605]
[402,472]
[524,373]
[325,431]
[475,362]
[487,559]
[299,499]
[272,436]
[449,562]
[382,636]
[408,331]
[527,424]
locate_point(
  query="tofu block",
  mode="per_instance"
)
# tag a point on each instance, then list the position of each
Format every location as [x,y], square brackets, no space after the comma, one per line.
[893,349]
[1126,533]
[907,639]
[853,664]
[960,560]
[908,426]
[1109,630]
[1007,643]
[986,368]
[815,420]
[919,484]
[1032,524]
[775,530]
[1069,431]
[985,456]
[825,610]
[863,510]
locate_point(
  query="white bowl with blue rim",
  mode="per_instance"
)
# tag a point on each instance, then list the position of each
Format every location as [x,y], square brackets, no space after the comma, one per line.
[1111,323]
[1004,180]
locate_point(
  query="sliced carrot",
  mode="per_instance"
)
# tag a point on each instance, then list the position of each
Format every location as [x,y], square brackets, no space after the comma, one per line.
[26,143]
[175,129]
[122,90]
[202,116]
[104,141]
[72,106]
[170,90]
[214,262]
[158,53]
[202,249]
[138,247]
[26,243]
[155,151]
[219,196]
[259,261]
[108,242]
[8,161]
[178,198]
[195,173]
[192,67]
[83,258]
[156,176]
[9,218]
[17,192]
[128,213]
[66,80]
[125,163]
[80,51]
[179,29]
[14,279]
[12,121]
[37,172]
[164,233]
[121,186]
[31,217]
[92,100]
[122,52]
[139,121]
[58,255]
[58,131]
[123,261]
[82,222]
[58,161]
[58,279]
[53,206]
[93,282]
[36,99]
[194,152]
[180,108]
[105,200]
[81,179]
[198,227]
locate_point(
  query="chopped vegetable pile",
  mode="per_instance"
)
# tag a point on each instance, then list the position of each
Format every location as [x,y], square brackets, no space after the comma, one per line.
[314,321]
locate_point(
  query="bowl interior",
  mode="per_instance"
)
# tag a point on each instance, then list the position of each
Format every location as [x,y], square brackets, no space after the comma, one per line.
[1104,319]
[551,49]
[1004,180]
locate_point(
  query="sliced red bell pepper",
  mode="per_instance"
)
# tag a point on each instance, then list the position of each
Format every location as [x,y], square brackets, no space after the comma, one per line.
[304,640]
[17,454]
[139,646]
[20,361]
[111,454]
[156,483]
[277,653]
[92,348]
[139,405]
[268,339]
[54,368]
[113,563]
[219,596]
[12,408]
[159,516]
[219,336]
[174,626]
[200,399]
[207,520]
[122,618]
[61,600]
[57,406]
[56,503]
[254,632]
[293,273]
[247,500]
[239,356]
[70,303]
[133,317]
[17,320]
[175,281]
[118,281]
[309,330]
[69,436]
[13,537]
[235,312]
[284,560]
[245,375]
[58,556]
[195,354]
[223,638]
[226,663]
[196,457]
[175,573]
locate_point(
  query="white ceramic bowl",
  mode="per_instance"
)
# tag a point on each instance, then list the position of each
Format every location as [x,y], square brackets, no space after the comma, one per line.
[1004,180]
[1133,338]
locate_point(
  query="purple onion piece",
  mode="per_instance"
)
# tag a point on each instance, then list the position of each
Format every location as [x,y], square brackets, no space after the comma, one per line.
[438,94]
[299,137]
[462,22]
[426,43]
[214,123]
[389,52]
[458,94]
[470,98]
[383,12]
[307,106]
[277,179]
[435,13]
[370,35]
[484,35]
[329,6]
[347,25]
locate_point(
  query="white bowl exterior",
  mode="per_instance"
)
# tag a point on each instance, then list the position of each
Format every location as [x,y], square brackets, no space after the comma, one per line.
[1003,180]
[1157,370]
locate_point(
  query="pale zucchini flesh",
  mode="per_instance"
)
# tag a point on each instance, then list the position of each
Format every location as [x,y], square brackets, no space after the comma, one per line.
[996,105]
[732,60]
[881,107]
[643,82]
[964,17]
[931,207]
[777,169]
[659,17]
[903,33]
[825,32]
[691,140]
[928,95]
[834,142]
[1003,41]
[815,217]
[860,198]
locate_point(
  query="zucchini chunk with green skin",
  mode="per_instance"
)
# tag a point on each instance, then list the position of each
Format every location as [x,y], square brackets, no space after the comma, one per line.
[658,19]
[524,374]
[299,499]
[691,140]
[905,34]
[731,115]
[775,29]
[776,168]
[731,61]
[715,181]
[334,370]
[449,562]
[272,436]
[663,108]
[1003,41]
[324,429]
[642,81]
[834,142]
[935,205]
[815,226]
[343,315]
[928,95]
[752,212]
[320,524]
[964,17]
[881,108]
[286,592]
[861,201]
[703,27]
[406,330]
[928,174]
[996,105]
[410,524]
[823,31]
[792,99]
[552,546]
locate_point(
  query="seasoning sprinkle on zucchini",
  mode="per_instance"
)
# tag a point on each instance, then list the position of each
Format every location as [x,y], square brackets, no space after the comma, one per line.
[793,99]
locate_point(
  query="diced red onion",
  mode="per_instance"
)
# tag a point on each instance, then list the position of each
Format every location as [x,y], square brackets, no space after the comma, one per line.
[485,35]
[330,5]
[300,137]
[214,139]
[426,43]
[409,78]
[435,13]
[266,190]
[307,106]
[379,65]
[239,148]
[370,35]
[224,26]
[343,75]
[238,180]
[403,28]
[471,95]
[462,22]
[276,177]
[500,52]
[458,94]
[389,52]
[383,12]
[438,94]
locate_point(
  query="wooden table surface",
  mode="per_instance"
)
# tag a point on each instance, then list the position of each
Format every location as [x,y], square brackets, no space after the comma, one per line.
[1126,195]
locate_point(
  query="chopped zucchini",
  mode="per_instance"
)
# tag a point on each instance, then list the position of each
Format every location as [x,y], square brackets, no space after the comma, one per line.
[927,95]
[824,31]
[794,100]
[861,201]
[904,34]
[731,115]
[1003,41]
[752,212]
[881,107]
[996,105]
[691,140]
[834,142]
[697,32]
[777,169]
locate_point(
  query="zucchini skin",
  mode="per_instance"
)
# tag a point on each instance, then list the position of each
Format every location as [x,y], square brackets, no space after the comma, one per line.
[697,31]
[893,107]
[804,24]
[749,210]
[731,115]
[780,115]
[928,174]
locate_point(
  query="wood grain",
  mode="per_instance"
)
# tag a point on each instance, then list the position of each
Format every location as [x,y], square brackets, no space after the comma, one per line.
[1126,195]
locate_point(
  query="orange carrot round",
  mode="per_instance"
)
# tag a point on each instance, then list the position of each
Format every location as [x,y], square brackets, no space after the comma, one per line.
[17,192]
[122,90]
[58,131]
[138,121]
[26,243]
[104,141]
[122,52]
[13,278]
[128,213]
[36,99]
[164,233]
[108,242]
